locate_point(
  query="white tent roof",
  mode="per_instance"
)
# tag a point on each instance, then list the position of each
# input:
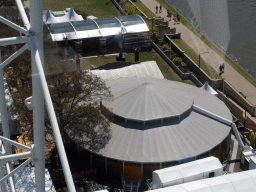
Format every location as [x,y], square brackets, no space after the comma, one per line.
[166,177]
[49,18]
[176,188]
[190,171]
[252,174]
[71,16]
[210,164]
[196,186]
[209,89]
[234,182]
[219,184]
[141,70]
[241,182]
[186,172]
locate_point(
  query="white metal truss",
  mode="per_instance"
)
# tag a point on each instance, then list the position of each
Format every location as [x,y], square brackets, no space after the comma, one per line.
[33,39]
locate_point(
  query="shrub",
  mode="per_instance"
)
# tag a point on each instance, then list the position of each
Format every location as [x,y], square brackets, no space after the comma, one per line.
[130,9]
[174,54]
[155,30]
[252,138]
[165,47]
[177,61]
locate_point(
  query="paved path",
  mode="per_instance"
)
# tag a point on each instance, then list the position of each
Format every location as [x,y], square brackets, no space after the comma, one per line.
[234,153]
[231,75]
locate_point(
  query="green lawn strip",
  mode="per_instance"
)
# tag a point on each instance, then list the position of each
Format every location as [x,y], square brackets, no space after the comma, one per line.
[194,57]
[96,8]
[144,56]
[144,9]
[212,46]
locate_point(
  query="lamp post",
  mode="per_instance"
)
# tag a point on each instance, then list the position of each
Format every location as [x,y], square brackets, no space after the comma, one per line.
[199,57]
[153,25]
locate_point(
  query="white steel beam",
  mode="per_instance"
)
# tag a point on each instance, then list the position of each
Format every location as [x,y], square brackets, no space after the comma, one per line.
[13,56]
[212,115]
[23,14]
[13,40]
[15,170]
[15,143]
[4,117]
[2,172]
[13,25]
[16,156]
[53,119]
[10,178]
[36,27]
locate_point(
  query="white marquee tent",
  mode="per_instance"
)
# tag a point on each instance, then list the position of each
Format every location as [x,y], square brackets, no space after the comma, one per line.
[187,172]
[234,182]
[71,15]
[210,165]
[209,89]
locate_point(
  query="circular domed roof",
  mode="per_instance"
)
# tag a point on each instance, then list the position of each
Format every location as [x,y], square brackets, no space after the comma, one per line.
[142,98]
[148,100]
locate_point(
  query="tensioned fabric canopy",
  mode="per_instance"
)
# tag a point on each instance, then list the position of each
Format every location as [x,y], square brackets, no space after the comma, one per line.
[71,15]
[72,30]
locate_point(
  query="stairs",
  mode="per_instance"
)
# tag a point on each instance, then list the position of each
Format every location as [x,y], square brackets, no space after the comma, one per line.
[131,185]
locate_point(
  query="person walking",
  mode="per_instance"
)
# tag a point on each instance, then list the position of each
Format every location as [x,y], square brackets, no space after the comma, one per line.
[178,18]
[156,9]
[160,9]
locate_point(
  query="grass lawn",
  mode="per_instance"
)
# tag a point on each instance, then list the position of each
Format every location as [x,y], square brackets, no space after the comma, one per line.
[167,72]
[194,56]
[97,8]
[212,46]
[144,9]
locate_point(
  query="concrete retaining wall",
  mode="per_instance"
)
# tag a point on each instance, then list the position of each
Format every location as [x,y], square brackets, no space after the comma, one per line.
[238,111]
[183,76]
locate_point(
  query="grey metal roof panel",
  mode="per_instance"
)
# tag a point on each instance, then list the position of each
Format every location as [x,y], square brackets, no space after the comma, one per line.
[168,142]
[194,135]
[144,70]
[146,100]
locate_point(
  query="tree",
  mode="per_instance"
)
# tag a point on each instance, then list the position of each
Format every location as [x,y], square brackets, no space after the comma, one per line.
[75,94]
[130,9]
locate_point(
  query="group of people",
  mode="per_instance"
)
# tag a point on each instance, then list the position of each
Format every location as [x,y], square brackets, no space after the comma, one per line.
[160,10]
[176,18]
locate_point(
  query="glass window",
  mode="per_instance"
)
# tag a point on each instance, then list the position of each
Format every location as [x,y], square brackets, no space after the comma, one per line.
[61,28]
[108,23]
[84,25]
[130,20]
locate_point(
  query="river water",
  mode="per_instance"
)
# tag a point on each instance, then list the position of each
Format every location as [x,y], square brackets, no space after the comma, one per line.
[229,24]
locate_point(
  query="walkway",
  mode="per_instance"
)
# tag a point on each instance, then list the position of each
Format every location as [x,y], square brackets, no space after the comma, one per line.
[231,75]
[234,153]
